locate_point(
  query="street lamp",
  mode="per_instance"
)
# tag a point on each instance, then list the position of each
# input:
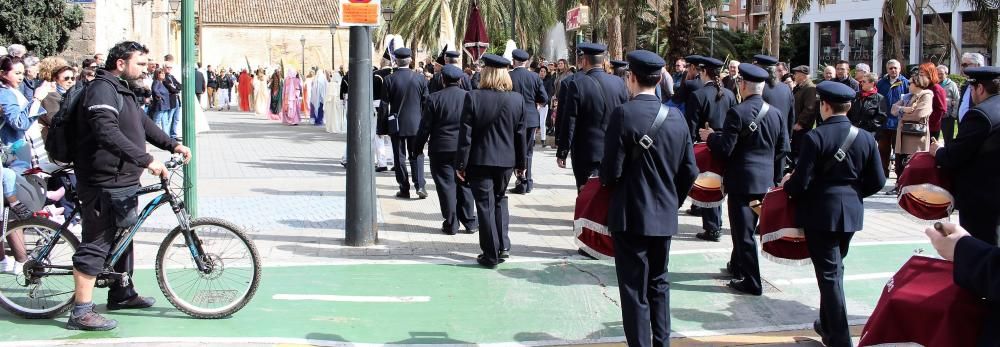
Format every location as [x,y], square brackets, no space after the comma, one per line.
[712,20]
[841,46]
[387,12]
[333,46]
[302,40]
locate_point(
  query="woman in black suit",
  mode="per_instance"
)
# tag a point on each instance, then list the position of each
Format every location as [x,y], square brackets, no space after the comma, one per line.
[491,144]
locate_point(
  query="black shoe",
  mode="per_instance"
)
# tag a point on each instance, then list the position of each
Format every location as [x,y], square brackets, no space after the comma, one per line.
[447,230]
[709,235]
[819,331]
[403,194]
[894,191]
[471,230]
[504,254]
[422,193]
[742,286]
[519,189]
[90,321]
[730,269]
[481,259]
[381,169]
[580,251]
[133,303]
[693,212]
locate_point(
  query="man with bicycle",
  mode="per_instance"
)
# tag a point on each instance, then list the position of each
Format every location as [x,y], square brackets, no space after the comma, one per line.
[110,154]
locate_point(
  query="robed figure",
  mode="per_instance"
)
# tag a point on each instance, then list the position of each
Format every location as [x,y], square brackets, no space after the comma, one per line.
[245,90]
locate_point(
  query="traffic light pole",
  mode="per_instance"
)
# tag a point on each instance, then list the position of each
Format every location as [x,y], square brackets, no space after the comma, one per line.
[361,222]
[188,107]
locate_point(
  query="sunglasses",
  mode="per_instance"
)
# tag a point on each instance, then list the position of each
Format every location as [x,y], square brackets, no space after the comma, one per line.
[69,78]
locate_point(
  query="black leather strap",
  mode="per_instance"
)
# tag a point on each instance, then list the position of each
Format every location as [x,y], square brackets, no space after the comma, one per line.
[755,123]
[646,140]
[841,153]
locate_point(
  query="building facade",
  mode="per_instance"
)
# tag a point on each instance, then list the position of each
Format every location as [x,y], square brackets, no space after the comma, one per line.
[155,23]
[853,30]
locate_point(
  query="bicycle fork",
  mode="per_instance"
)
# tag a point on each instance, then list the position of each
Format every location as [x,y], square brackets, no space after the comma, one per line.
[190,239]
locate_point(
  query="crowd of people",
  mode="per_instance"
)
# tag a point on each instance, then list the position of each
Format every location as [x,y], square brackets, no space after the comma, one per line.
[829,142]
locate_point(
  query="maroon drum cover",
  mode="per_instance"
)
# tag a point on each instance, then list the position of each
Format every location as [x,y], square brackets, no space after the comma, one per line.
[590,220]
[924,189]
[921,304]
[707,190]
[781,240]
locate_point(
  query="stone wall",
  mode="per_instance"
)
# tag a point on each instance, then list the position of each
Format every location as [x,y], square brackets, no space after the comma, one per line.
[229,46]
[81,40]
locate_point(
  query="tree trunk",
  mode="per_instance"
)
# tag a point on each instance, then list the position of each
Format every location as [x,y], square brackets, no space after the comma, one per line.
[614,31]
[630,34]
[680,31]
[774,28]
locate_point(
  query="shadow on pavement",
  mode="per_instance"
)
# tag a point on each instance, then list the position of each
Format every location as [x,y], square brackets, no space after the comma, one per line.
[325,337]
[429,337]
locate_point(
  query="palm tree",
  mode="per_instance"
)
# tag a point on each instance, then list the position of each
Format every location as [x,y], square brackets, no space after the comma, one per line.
[895,17]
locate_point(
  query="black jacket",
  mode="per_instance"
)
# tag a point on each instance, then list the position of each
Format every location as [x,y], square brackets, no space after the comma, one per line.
[590,99]
[869,113]
[648,189]
[831,201]
[703,107]
[199,82]
[404,91]
[111,142]
[530,86]
[977,269]
[492,131]
[175,90]
[750,158]
[442,115]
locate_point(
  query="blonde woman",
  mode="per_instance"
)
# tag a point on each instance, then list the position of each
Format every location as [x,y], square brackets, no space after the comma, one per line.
[491,144]
[913,132]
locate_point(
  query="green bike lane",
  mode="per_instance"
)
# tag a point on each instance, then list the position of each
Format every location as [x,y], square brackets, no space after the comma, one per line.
[526,302]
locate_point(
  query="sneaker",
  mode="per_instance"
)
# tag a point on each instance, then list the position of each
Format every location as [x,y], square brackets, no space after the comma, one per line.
[90,321]
[133,303]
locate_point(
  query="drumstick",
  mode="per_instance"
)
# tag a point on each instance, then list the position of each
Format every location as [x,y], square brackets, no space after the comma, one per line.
[940,228]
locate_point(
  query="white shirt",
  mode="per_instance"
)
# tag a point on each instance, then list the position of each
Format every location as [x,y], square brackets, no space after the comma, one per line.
[966,103]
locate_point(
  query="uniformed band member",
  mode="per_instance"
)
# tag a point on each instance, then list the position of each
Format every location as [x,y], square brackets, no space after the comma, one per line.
[442,115]
[590,99]
[404,92]
[977,269]
[691,83]
[750,144]
[707,107]
[838,166]
[650,183]
[620,68]
[561,97]
[973,157]
[490,146]
[437,82]
[779,96]
[532,90]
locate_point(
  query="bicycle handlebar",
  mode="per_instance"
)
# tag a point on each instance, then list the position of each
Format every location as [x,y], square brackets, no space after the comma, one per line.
[174,162]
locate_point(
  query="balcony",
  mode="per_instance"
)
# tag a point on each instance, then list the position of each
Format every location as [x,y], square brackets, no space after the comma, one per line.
[760,7]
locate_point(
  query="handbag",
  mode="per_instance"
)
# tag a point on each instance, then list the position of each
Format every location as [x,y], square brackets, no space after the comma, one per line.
[910,128]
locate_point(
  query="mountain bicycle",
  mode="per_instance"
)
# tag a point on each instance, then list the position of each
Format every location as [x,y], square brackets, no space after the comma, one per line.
[205,267]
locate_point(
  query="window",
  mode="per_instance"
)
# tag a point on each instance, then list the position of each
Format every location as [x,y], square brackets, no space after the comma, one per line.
[725,26]
[743,4]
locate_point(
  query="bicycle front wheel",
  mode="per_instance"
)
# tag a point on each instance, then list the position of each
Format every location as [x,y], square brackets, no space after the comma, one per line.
[232,276]
[43,287]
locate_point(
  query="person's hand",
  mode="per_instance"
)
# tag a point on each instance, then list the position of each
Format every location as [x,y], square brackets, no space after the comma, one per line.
[184,151]
[933,148]
[705,133]
[785,179]
[945,244]
[895,109]
[156,168]
[561,163]
[43,90]
[460,174]
[520,173]
[797,127]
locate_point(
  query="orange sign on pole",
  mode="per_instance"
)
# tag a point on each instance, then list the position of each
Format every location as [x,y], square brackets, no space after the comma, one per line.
[359,12]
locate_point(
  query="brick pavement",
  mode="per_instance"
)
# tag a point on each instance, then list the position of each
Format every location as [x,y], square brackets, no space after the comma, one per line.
[285,185]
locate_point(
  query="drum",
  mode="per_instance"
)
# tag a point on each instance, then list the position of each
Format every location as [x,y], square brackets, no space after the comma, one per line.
[707,190]
[590,220]
[922,305]
[924,189]
[782,241]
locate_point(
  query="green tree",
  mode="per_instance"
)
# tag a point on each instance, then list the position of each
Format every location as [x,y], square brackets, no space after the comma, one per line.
[43,26]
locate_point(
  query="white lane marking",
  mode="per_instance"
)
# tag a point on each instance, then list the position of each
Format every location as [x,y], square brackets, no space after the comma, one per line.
[812,280]
[350,298]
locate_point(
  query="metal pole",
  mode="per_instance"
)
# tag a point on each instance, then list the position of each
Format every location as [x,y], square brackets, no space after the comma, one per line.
[712,53]
[188,109]
[360,171]
[513,20]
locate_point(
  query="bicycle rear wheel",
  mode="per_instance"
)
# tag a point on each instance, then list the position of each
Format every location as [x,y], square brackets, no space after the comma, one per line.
[44,287]
[229,284]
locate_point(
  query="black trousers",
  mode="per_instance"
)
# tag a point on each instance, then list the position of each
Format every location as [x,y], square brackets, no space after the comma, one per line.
[743,222]
[454,197]
[644,286]
[527,182]
[582,170]
[489,188]
[103,212]
[948,128]
[400,146]
[711,218]
[827,250]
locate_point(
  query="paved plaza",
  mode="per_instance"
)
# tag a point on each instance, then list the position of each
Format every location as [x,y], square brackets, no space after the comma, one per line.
[285,186]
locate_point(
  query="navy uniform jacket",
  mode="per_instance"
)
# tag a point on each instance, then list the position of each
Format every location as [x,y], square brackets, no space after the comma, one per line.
[781,97]
[750,159]
[561,122]
[832,200]
[587,111]
[474,82]
[977,269]
[492,130]
[404,91]
[702,107]
[531,88]
[436,83]
[648,190]
[682,93]
[442,113]
[973,157]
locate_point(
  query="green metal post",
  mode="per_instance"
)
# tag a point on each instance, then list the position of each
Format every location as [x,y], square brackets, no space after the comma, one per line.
[189,105]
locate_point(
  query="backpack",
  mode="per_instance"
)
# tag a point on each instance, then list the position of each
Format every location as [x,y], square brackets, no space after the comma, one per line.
[62,130]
